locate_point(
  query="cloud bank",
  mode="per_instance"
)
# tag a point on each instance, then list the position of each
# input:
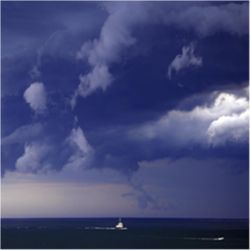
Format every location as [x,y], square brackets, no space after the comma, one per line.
[224,120]
[210,184]
[207,20]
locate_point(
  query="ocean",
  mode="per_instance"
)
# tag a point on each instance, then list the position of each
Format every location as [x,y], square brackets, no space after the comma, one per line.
[141,233]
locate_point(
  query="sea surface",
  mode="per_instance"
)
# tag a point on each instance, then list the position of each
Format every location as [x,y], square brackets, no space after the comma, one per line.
[141,233]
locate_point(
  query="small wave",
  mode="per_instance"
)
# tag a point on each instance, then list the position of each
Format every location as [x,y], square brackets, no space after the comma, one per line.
[205,238]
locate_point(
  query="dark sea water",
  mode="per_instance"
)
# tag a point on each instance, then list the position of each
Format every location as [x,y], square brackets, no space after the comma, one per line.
[141,233]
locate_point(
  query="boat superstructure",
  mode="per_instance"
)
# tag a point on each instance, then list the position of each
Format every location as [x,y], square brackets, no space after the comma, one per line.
[120,226]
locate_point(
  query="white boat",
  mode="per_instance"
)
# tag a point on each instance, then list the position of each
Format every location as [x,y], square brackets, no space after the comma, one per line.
[120,226]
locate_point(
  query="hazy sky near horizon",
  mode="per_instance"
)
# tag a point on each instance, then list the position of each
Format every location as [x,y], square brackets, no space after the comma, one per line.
[125,109]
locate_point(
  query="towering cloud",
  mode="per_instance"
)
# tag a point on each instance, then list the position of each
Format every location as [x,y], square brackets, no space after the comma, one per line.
[78,139]
[82,150]
[100,53]
[34,158]
[35,95]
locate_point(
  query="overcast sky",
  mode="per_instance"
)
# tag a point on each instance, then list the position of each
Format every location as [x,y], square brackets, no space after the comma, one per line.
[125,109]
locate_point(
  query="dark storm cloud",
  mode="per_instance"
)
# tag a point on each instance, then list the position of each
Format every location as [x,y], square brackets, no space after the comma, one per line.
[193,185]
[28,18]
[48,130]
[173,146]
[29,42]
[180,133]
[117,34]
[127,55]
[208,20]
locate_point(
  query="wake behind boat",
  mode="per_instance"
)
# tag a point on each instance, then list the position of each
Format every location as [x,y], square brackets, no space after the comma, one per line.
[118,226]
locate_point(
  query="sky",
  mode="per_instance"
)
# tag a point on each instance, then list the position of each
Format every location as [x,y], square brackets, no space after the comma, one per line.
[129,109]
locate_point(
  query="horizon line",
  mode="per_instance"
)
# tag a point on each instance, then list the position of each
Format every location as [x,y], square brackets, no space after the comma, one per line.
[131,217]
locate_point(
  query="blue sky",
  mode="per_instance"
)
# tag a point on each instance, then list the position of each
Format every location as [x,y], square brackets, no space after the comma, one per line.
[125,109]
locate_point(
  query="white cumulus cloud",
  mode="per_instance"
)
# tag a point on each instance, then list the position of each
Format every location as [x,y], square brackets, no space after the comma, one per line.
[35,95]
[99,77]
[225,120]
[83,150]
[233,127]
[34,157]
